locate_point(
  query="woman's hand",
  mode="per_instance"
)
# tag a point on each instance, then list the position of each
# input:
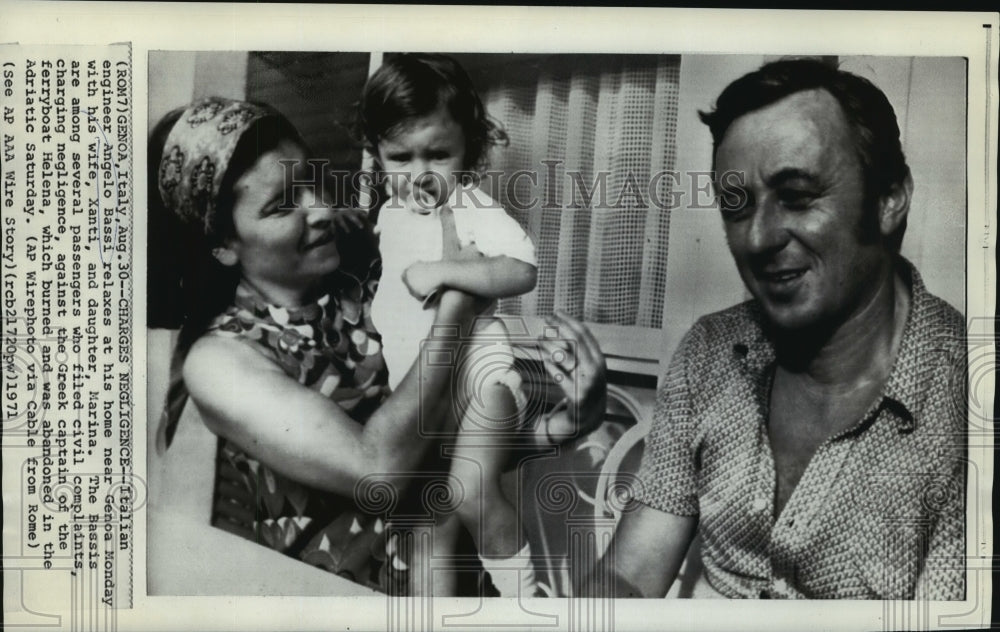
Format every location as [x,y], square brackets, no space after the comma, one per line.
[575,362]
[457,302]
[465,253]
[424,278]
[349,219]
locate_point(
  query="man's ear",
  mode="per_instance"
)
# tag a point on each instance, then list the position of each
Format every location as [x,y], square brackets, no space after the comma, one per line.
[894,206]
[225,255]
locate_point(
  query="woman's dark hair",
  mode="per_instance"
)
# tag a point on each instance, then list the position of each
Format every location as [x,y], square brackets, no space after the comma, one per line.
[187,286]
[866,108]
[412,85]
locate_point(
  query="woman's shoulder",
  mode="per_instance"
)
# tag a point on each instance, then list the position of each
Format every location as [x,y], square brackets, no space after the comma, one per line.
[238,391]
[216,359]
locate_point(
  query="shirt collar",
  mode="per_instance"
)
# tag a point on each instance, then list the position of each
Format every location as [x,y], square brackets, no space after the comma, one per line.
[913,366]
[754,347]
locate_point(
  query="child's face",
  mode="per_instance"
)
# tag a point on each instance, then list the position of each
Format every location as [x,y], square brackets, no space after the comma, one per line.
[423,158]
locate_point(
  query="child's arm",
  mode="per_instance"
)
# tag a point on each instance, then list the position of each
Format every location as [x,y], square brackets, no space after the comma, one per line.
[489,277]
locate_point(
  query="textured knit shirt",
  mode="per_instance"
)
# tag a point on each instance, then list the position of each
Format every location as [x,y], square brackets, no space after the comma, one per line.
[878,512]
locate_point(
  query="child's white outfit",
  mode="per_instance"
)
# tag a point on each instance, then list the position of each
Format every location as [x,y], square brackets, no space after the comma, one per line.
[408,235]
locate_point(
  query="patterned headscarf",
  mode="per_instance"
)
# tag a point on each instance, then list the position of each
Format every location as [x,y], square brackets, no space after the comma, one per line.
[196,155]
[197,152]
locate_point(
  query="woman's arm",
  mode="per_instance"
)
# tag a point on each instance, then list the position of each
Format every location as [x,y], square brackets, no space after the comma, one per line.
[247,399]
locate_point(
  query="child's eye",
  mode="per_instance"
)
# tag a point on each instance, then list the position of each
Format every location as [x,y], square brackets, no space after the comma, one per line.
[281,207]
[398,157]
[439,155]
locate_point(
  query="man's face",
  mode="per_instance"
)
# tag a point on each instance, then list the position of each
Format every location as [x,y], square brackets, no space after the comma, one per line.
[794,214]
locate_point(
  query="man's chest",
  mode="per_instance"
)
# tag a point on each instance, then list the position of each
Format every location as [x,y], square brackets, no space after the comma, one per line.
[800,421]
[787,494]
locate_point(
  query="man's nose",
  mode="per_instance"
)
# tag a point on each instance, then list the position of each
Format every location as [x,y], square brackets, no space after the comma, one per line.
[766,231]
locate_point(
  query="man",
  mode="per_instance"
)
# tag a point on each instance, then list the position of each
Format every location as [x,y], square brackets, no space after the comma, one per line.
[813,436]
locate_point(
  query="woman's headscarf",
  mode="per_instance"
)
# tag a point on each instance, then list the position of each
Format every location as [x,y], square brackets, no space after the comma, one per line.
[198,151]
[193,164]
[196,155]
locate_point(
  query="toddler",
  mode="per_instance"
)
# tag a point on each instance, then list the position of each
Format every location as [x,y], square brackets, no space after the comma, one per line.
[427,127]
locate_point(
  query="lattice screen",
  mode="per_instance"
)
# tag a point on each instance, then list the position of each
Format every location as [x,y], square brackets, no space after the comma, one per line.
[611,117]
[599,116]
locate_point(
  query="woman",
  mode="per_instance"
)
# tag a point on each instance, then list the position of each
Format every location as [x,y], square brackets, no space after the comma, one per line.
[279,355]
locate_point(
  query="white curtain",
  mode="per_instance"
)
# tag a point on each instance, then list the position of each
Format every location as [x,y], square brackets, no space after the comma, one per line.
[609,117]
[598,116]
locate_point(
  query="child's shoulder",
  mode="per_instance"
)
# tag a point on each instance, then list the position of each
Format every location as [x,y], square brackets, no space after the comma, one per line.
[470,197]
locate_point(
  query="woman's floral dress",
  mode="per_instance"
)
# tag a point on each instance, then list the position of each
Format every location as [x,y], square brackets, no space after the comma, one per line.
[331,347]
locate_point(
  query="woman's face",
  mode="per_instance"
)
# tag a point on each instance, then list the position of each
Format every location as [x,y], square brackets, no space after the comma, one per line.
[284,237]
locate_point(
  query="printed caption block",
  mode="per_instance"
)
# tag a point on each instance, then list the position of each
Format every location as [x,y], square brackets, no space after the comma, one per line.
[69,493]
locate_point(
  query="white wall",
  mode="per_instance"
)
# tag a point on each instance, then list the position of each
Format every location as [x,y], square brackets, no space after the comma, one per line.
[701,275]
[177,78]
[928,95]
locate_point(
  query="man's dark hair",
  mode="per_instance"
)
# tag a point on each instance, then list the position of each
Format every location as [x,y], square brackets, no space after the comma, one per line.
[866,108]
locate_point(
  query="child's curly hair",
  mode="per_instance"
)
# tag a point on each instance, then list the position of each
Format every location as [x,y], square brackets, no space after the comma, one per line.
[412,85]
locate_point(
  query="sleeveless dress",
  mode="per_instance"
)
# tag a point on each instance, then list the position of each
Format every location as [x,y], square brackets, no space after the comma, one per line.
[331,347]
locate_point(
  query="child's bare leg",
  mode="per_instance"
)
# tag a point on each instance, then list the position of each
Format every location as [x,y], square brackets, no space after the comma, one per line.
[491,416]
[477,466]
[427,577]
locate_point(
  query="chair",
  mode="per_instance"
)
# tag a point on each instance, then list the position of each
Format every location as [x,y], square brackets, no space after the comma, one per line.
[578,506]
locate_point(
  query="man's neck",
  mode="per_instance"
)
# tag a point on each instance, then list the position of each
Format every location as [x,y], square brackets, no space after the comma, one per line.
[858,351]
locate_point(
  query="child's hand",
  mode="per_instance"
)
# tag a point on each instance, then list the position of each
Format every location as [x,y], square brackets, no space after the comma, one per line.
[467,253]
[421,279]
[346,220]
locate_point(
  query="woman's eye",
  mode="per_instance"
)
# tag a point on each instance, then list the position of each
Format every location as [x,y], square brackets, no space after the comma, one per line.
[279,210]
